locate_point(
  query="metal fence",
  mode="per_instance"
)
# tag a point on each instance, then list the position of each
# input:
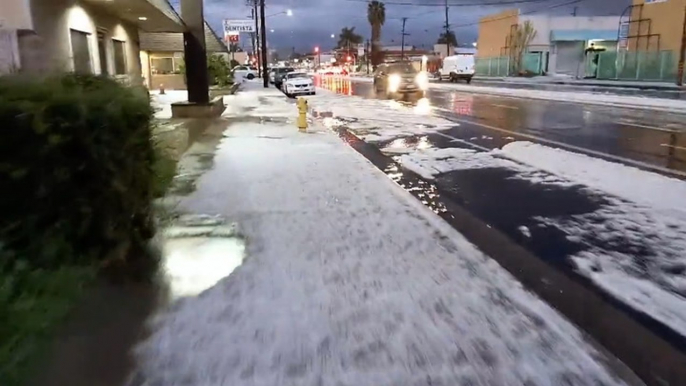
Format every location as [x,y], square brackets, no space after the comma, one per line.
[657,66]
[499,66]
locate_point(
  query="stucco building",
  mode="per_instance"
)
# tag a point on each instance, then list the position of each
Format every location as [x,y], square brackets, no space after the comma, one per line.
[653,25]
[86,36]
[560,41]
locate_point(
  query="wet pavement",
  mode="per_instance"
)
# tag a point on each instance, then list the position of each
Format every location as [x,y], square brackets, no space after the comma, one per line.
[96,344]
[654,141]
[496,201]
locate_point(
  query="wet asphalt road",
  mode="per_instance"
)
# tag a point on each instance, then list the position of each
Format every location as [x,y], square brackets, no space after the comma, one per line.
[656,142]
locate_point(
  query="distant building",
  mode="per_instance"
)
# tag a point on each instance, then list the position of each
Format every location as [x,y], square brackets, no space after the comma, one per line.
[653,25]
[561,41]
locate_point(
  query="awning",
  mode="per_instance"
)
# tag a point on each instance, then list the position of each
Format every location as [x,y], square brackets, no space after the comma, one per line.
[583,35]
[147,15]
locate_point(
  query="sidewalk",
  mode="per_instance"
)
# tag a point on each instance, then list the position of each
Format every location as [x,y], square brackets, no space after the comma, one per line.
[558,80]
[347,280]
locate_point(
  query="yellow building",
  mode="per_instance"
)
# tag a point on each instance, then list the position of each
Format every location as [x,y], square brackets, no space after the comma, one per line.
[653,25]
[560,43]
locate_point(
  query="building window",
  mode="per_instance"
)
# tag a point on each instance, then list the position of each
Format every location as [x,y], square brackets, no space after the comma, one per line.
[102,50]
[80,52]
[119,57]
[166,65]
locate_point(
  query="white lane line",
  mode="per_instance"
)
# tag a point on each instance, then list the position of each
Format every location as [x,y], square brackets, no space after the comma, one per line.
[463,141]
[628,123]
[673,146]
[505,106]
[582,150]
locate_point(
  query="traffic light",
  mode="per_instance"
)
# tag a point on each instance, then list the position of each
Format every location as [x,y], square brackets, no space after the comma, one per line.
[349,58]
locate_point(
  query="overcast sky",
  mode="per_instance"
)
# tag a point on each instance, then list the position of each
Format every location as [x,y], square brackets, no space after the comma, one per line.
[314,21]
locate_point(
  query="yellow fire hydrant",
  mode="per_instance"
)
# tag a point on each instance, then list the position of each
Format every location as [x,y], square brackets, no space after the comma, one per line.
[302,114]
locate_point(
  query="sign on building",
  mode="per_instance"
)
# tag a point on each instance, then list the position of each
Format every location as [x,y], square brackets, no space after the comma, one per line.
[238,26]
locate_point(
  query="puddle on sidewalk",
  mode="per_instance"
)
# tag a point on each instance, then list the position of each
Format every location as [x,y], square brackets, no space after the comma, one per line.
[95,345]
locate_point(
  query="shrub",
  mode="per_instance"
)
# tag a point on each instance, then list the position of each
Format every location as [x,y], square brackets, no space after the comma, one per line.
[76,169]
[219,71]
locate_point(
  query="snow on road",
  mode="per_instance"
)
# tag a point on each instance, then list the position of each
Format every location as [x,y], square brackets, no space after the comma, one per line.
[645,214]
[633,245]
[348,280]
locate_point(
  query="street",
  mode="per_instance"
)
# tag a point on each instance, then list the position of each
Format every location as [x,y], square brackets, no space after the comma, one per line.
[639,138]
[594,192]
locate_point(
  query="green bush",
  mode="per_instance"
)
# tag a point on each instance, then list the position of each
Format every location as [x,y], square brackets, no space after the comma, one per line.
[219,71]
[32,303]
[76,170]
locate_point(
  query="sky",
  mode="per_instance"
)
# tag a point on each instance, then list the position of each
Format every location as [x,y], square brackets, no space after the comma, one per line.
[314,21]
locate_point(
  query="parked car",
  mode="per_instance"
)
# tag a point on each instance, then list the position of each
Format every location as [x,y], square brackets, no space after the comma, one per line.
[400,79]
[244,72]
[457,67]
[298,83]
[279,74]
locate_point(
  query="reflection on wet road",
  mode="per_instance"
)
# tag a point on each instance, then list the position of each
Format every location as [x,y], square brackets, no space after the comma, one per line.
[639,138]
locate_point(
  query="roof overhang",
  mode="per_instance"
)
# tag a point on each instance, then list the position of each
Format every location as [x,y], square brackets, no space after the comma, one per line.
[147,15]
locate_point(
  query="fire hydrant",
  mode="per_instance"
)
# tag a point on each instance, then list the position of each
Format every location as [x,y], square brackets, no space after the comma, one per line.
[302,114]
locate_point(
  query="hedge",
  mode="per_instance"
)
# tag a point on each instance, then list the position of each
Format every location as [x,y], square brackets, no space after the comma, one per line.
[76,163]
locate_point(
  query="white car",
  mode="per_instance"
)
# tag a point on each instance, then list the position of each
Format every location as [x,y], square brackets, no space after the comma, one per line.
[295,83]
[244,72]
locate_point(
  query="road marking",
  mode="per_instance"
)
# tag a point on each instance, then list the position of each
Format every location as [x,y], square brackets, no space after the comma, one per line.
[464,142]
[599,154]
[505,106]
[673,146]
[628,123]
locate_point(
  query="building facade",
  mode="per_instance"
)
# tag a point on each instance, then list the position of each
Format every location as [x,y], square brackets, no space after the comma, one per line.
[162,57]
[653,25]
[83,36]
[561,44]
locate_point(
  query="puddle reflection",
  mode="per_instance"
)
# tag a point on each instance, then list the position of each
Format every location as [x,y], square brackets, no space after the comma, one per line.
[198,252]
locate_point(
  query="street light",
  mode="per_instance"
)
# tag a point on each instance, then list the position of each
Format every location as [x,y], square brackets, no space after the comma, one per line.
[333,36]
[474,44]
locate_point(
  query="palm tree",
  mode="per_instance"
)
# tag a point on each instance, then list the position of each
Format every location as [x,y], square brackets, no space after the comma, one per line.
[376,14]
[447,38]
[348,38]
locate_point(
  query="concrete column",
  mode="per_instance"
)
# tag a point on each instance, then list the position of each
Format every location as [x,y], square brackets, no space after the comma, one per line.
[195,54]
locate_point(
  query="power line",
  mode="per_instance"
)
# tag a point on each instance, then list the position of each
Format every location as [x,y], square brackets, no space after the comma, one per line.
[487,3]
[520,14]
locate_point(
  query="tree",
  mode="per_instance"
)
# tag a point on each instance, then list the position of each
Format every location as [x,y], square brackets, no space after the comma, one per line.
[521,37]
[447,37]
[376,15]
[348,38]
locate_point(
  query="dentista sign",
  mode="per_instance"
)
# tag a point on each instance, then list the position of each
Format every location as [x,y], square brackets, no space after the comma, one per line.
[237,26]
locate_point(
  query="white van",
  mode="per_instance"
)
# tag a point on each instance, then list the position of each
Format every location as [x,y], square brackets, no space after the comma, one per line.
[457,67]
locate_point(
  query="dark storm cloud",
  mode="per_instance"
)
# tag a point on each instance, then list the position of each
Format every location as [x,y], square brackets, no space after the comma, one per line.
[313,21]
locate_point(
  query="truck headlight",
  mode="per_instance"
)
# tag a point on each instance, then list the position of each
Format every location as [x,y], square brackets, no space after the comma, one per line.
[422,80]
[394,82]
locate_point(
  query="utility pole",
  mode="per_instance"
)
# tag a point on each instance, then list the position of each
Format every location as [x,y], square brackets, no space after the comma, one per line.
[402,41]
[447,31]
[257,39]
[263,31]
[574,11]
[682,54]
[252,34]
[367,55]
